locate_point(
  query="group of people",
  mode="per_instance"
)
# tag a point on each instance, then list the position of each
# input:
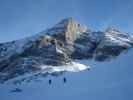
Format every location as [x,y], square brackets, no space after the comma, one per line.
[64,80]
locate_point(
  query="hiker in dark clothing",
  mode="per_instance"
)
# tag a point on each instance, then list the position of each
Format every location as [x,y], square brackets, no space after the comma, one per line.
[50,81]
[64,80]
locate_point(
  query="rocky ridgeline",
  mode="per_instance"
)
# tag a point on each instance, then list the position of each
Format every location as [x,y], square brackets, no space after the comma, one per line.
[59,45]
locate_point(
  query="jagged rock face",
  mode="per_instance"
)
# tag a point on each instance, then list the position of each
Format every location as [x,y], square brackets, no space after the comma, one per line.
[59,45]
[85,46]
[112,44]
[44,51]
[74,30]
[68,30]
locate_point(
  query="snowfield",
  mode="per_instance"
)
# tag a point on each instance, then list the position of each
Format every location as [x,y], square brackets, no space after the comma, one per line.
[70,67]
[47,70]
[105,81]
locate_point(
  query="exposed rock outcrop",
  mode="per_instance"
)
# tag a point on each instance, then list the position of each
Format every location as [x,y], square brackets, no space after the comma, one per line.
[59,45]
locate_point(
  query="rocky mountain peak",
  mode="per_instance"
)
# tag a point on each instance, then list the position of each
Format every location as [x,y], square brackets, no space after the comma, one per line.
[53,48]
[112,29]
[67,21]
[69,29]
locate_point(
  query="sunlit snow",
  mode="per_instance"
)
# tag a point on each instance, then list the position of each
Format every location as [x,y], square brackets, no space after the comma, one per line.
[70,67]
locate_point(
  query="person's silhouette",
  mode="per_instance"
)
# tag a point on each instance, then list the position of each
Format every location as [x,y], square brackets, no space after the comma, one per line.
[64,80]
[50,81]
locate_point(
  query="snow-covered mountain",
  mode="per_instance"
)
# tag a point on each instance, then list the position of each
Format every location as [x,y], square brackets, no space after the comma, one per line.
[60,46]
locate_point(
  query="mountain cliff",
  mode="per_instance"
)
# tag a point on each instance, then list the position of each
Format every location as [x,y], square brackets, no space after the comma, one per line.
[64,42]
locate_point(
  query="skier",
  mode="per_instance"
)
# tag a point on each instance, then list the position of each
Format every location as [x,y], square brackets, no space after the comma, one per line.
[50,81]
[64,80]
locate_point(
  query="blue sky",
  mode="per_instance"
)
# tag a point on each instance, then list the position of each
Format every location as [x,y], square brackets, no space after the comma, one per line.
[22,18]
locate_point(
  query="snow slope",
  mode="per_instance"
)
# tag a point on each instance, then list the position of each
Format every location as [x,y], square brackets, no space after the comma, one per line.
[105,81]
